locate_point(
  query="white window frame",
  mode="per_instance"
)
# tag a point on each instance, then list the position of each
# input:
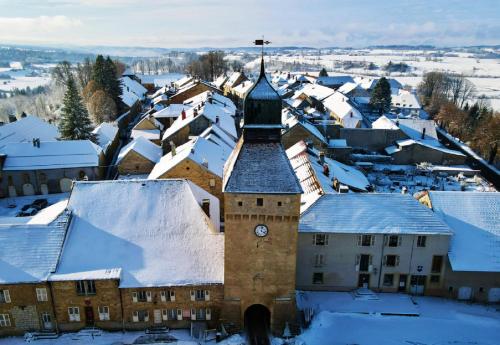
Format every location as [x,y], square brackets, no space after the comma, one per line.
[315,239]
[319,260]
[41,295]
[74,314]
[5,320]
[103,313]
[6,296]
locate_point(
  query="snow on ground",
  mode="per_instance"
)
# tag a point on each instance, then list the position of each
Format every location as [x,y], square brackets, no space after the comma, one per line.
[441,322]
[9,207]
[106,338]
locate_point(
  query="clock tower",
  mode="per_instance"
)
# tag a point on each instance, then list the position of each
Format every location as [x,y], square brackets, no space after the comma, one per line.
[262,207]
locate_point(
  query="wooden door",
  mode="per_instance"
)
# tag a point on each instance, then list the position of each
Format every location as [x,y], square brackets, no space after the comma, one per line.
[157,316]
[89,315]
[364,280]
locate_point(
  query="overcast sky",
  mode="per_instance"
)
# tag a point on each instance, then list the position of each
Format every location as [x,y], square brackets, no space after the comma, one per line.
[221,23]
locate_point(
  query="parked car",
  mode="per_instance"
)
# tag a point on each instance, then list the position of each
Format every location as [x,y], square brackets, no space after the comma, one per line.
[28,213]
[40,203]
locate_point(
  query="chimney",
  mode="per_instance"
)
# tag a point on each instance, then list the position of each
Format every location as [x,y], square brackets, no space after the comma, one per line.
[326,169]
[217,119]
[351,114]
[321,157]
[195,112]
[183,114]
[423,133]
[205,163]
[205,206]
[12,118]
[172,148]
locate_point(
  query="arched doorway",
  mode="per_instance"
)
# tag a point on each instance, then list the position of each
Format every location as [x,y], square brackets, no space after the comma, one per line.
[257,321]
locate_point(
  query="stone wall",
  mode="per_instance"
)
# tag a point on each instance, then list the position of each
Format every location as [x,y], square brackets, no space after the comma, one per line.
[134,163]
[371,138]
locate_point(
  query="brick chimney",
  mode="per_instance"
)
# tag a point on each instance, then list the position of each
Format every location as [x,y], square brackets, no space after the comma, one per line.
[183,114]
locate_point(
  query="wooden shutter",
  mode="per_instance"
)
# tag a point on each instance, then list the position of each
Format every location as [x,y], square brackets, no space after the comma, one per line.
[360,239]
[193,314]
[146,317]
[397,260]
[76,312]
[373,239]
[163,296]
[135,317]
[148,296]
[179,314]
[208,314]
[134,297]
[358,259]
[207,295]
[193,295]
[172,295]
[400,240]
[6,296]
[164,314]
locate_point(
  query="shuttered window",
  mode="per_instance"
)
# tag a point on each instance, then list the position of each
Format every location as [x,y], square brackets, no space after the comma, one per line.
[41,295]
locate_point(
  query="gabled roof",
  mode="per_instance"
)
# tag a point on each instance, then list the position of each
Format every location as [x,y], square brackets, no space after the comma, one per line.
[183,81]
[414,128]
[474,219]
[405,99]
[130,85]
[383,122]
[29,252]
[51,155]
[216,98]
[316,91]
[260,168]
[431,144]
[106,132]
[218,136]
[233,78]
[26,129]
[340,105]
[199,150]
[159,237]
[334,80]
[243,87]
[371,213]
[173,110]
[293,121]
[220,81]
[142,146]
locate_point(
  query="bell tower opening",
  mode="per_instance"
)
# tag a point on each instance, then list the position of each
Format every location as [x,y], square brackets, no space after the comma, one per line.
[257,324]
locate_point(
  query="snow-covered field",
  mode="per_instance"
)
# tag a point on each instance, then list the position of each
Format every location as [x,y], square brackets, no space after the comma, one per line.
[21,79]
[341,320]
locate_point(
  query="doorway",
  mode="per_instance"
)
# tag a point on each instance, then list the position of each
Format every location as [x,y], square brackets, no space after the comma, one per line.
[364,280]
[402,282]
[417,284]
[257,321]
[46,321]
[89,316]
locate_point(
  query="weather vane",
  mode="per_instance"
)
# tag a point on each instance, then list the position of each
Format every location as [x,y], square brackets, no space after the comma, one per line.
[261,42]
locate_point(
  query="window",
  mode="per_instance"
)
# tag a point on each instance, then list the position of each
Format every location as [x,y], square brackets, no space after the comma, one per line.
[260,202]
[140,316]
[4,320]
[143,296]
[167,295]
[450,289]
[169,314]
[74,314]
[388,279]
[421,241]
[394,241]
[435,278]
[4,296]
[200,295]
[279,203]
[103,313]
[318,278]
[205,206]
[200,314]
[320,239]
[437,263]
[85,287]
[41,294]
[366,240]
[240,203]
[391,260]
[319,260]
[212,182]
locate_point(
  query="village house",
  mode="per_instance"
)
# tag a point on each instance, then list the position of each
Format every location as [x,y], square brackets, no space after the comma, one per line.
[220,81]
[472,268]
[169,114]
[26,301]
[334,82]
[200,160]
[108,139]
[343,111]
[196,120]
[132,91]
[385,242]
[121,285]
[180,83]
[190,90]
[234,80]
[26,129]
[148,128]
[410,151]
[138,157]
[297,128]
[240,91]
[45,167]
[406,103]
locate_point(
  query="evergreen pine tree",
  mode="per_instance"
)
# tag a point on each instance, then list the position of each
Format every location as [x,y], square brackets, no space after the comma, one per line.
[323,73]
[75,123]
[99,73]
[381,96]
[113,84]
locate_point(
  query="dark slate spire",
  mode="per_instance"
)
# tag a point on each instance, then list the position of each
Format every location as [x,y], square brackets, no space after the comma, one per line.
[262,117]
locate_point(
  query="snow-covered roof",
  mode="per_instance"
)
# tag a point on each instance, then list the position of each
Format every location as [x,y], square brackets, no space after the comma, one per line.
[106,132]
[130,85]
[293,121]
[243,87]
[218,136]
[29,252]
[128,97]
[211,111]
[183,81]
[199,150]
[160,98]
[51,155]
[260,168]
[233,78]
[389,213]
[159,237]
[150,134]
[405,99]
[104,274]
[347,87]
[383,122]
[220,81]
[474,220]
[334,80]
[26,129]
[314,90]
[414,128]
[431,144]
[142,146]
[216,98]
[173,110]
[128,72]
[340,105]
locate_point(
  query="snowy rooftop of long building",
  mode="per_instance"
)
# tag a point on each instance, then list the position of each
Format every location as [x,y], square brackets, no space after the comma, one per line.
[474,218]
[51,155]
[159,237]
[260,168]
[106,132]
[130,85]
[142,146]
[314,90]
[26,129]
[371,213]
[173,110]
[293,121]
[29,251]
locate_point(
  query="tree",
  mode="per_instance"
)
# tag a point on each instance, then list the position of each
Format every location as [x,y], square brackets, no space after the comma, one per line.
[99,73]
[89,90]
[101,106]
[208,66]
[381,96]
[74,123]
[84,72]
[323,73]
[62,72]
[112,83]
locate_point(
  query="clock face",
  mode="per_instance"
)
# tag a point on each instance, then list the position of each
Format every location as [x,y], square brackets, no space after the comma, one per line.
[261,230]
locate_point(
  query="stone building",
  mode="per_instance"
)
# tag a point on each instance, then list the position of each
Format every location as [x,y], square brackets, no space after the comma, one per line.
[262,205]
[189,90]
[138,157]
